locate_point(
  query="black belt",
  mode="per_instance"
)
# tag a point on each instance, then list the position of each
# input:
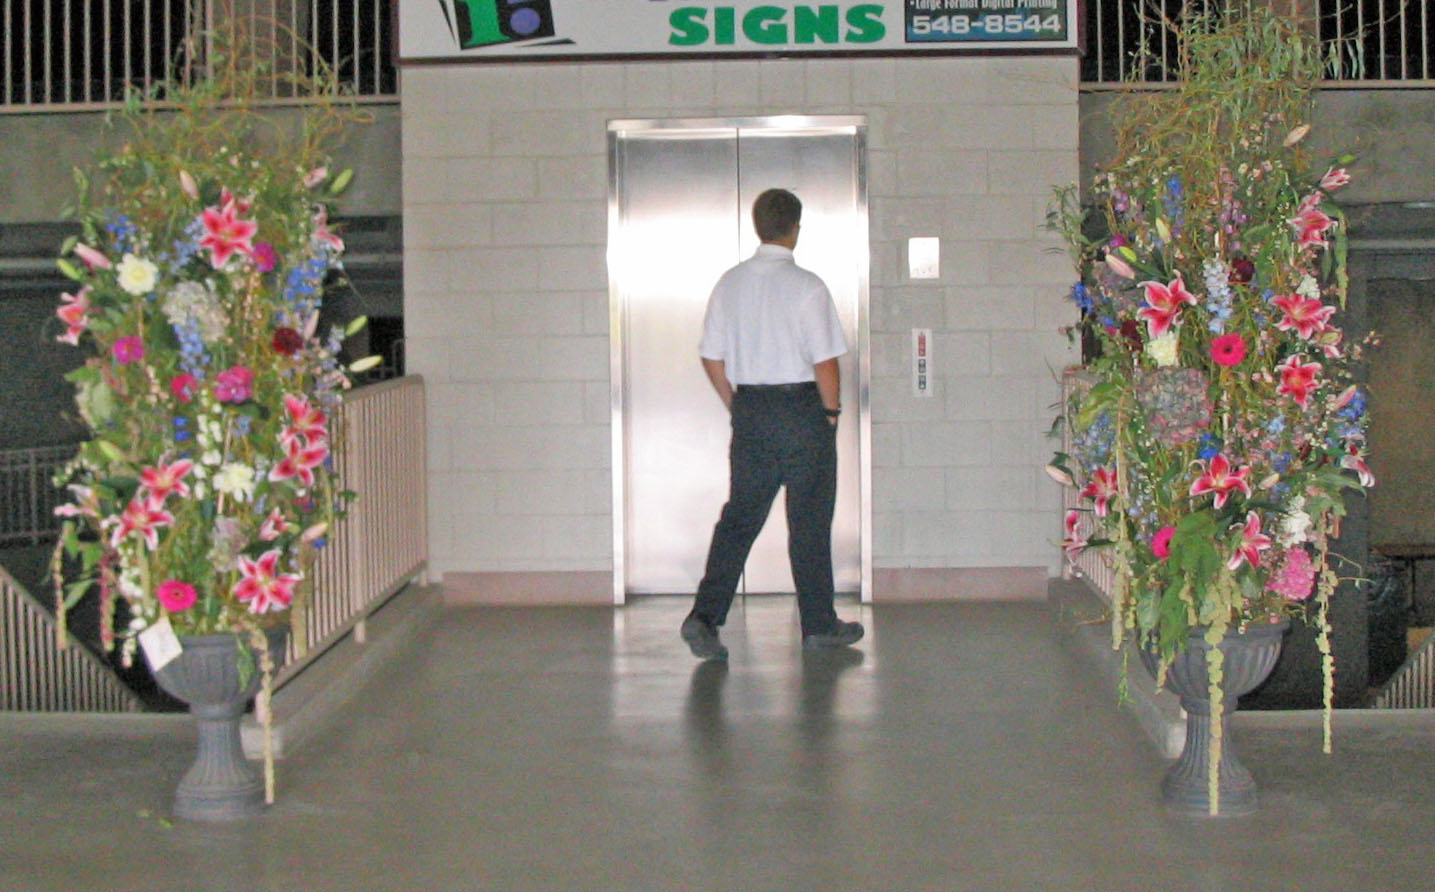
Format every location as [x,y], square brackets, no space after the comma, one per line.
[796,387]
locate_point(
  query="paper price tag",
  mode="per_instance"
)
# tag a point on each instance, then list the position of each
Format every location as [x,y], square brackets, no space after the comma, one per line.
[160,644]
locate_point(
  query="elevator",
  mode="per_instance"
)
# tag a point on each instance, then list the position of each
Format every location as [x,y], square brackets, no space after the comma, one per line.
[679,214]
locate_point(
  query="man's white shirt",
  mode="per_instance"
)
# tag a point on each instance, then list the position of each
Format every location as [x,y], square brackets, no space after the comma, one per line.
[770,321]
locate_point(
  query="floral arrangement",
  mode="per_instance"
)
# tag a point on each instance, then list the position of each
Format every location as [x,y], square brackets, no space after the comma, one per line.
[1221,422]
[210,392]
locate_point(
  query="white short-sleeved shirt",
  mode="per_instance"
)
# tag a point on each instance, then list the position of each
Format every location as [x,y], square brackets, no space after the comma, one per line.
[770,321]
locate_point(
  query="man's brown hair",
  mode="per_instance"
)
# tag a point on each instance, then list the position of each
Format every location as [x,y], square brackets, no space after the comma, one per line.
[775,213]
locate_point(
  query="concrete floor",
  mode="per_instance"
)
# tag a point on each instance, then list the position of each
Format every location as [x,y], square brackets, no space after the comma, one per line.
[960,747]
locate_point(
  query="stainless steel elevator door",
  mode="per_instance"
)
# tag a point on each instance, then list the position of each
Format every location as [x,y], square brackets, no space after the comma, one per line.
[681,197]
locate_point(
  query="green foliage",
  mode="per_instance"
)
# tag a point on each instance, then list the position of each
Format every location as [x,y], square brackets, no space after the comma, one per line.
[209,390]
[1217,429]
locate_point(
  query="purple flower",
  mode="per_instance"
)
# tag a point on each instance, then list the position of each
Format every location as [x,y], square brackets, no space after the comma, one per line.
[128,349]
[265,257]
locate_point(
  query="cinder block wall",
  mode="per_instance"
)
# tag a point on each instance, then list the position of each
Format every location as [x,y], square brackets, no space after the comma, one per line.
[506,306]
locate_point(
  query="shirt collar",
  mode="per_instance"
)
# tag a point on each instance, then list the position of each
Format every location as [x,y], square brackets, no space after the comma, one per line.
[776,252]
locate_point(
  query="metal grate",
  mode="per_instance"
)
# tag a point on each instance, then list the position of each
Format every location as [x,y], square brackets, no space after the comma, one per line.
[1369,41]
[27,494]
[71,54]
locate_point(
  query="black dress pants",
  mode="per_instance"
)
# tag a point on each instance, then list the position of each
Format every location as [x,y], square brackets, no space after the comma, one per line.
[780,437]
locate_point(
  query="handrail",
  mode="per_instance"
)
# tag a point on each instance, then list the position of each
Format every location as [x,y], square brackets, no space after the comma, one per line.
[36,675]
[382,544]
[380,547]
[1091,564]
[1413,684]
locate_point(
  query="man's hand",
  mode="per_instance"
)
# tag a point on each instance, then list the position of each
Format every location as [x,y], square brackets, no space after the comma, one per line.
[717,373]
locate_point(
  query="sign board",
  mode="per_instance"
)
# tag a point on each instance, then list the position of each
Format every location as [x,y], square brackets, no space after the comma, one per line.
[518,30]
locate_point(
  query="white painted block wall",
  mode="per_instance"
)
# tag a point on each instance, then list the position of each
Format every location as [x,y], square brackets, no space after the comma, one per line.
[506,306]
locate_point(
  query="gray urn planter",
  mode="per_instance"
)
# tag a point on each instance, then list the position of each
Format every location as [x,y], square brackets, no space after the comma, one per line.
[221,785]
[1250,655]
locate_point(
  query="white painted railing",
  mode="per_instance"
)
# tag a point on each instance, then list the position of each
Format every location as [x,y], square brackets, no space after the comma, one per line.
[1372,42]
[1091,564]
[37,676]
[381,546]
[71,54]
[1413,684]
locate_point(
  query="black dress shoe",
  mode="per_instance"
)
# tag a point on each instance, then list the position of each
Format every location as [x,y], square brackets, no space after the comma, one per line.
[702,639]
[842,634]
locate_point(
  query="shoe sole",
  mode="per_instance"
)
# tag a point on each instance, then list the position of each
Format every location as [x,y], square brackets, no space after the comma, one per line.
[705,651]
[823,642]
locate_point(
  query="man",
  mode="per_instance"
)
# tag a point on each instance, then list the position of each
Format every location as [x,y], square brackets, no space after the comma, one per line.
[770,343]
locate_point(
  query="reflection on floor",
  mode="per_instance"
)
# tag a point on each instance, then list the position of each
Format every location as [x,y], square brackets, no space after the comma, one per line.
[959,747]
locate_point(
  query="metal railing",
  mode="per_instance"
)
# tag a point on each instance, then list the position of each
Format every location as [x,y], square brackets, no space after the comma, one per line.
[1091,564]
[64,55]
[38,676]
[28,496]
[1413,684]
[1372,42]
[381,546]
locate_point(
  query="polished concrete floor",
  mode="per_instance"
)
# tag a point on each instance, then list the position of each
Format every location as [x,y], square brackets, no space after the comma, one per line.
[959,747]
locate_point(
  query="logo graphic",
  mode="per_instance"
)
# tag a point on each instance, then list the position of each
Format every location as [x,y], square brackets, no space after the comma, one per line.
[489,22]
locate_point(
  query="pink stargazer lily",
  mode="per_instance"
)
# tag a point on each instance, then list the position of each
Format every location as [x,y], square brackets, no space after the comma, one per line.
[305,421]
[1297,379]
[273,526]
[1334,178]
[1217,477]
[322,232]
[92,258]
[74,312]
[1100,489]
[1354,461]
[142,518]
[1073,543]
[1304,315]
[1253,542]
[300,460]
[1311,223]
[261,586]
[163,479]
[1163,305]
[225,233]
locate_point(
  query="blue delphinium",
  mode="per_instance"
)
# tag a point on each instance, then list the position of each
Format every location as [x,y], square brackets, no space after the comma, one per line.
[1218,294]
[1174,200]
[1210,446]
[192,354]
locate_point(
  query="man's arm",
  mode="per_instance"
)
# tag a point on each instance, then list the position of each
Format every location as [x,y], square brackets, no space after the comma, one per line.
[829,384]
[717,374]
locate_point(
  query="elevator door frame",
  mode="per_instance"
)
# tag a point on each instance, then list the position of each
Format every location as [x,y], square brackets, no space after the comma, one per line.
[857,124]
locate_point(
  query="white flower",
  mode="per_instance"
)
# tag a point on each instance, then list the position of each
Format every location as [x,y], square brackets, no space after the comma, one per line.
[211,457]
[1295,524]
[1308,288]
[136,275]
[236,480]
[1163,350]
[197,302]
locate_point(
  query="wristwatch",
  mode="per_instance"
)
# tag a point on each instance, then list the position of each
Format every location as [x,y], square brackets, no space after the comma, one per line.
[832,413]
